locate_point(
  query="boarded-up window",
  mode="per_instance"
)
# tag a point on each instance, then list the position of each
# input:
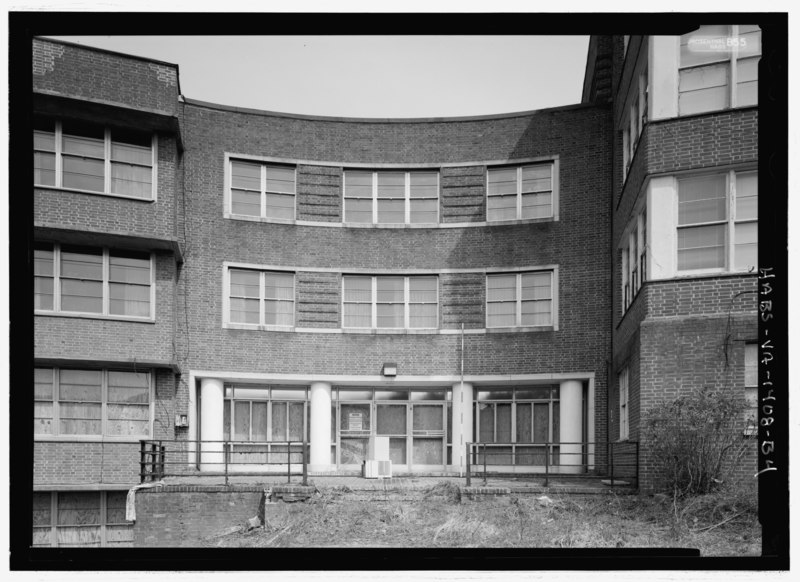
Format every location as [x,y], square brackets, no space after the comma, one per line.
[81,519]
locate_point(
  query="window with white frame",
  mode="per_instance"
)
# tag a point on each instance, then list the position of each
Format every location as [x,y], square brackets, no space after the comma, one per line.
[519,299]
[519,192]
[261,297]
[718,222]
[623,403]
[391,197]
[718,68]
[262,190]
[94,158]
[634,258]
[634,122]
[81,519]
[112,403]
[390,302]
[751,387]
[87,280]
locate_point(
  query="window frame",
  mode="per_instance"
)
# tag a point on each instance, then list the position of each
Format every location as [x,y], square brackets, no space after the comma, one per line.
[262,299]
[751,390]
[552,163]
[263,191]
[108,162]
[634,122]
[407,198]
[104,403]
[731,71]
[729,222]
[103,522]
[623,404]
[518,299]
[407,303]
[633,258]
[107,253]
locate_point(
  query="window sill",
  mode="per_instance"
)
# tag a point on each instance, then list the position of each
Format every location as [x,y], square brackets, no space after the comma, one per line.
[80,438]
[381,331]
[254,327]
[387,226]
[704,113]
[95,193]
[94,316]
[249,218]
[524,329]
[700,273]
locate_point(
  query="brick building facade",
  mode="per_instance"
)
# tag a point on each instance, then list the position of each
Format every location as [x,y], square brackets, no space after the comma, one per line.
[415,283]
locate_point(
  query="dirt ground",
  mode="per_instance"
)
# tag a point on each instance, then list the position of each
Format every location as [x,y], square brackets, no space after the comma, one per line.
[441,519]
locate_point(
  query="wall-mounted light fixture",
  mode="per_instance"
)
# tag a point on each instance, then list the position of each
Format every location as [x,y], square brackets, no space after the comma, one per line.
[389,369]
[181,420]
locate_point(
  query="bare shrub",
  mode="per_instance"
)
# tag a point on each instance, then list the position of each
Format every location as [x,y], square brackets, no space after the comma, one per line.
[696,440]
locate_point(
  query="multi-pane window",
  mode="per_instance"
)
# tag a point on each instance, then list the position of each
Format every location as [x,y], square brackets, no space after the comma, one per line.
[718,222]
[623,379]
[751,387]
[634,259]
[719,68]
[94,158]
[519,299]
[91,402]
[81,519]
[390,302]
[391,197]
[635,120]
[75,279]
[519,192]
[521,421]
[261,297]
[263,190]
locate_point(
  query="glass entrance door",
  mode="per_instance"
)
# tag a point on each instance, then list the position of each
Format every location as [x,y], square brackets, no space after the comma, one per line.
[428,435]
[392,422]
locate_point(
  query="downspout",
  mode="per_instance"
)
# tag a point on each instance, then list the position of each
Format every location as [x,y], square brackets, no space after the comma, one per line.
[461,396]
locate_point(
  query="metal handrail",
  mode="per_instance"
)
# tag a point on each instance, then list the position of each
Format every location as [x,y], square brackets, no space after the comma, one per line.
[622,466]
[171,458]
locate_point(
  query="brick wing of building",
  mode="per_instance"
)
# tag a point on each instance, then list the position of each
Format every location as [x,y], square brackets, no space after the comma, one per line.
[242,285]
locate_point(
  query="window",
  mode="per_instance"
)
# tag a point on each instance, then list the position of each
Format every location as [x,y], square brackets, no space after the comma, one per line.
[74,279]
[718,68]
[261,297]
[390,302]
[634,259]
[519,299]
[262,190]
[623,404]
[718,222]
[751,387]
[94,158]
[81,519]
[521,422]
[635,120]
[91,402]
[391,197]
[520,192]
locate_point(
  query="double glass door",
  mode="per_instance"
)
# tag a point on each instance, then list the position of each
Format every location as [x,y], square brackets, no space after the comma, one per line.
[416,432]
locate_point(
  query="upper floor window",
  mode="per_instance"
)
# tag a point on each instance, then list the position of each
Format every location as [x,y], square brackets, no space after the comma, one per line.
[261,297]
[718,68]
[390,302]
[634,259]
[520,192]
[718,222]
[94,158]
[91,402]
[519,299]
[263,190]
[391,197]
[634,121]
[87,280]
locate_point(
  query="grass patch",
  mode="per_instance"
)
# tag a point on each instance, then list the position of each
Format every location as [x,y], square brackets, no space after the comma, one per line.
[720,524]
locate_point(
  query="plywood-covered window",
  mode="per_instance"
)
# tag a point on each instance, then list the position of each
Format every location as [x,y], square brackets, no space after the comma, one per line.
[81,519]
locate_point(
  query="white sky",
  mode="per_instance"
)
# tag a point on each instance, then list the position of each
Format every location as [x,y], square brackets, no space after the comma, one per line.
[370,76]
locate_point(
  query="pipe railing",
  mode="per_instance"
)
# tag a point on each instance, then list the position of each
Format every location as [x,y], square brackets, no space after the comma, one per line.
[616,461]
[175,458]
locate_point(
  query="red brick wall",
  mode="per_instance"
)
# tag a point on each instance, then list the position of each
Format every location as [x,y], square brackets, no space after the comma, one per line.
[183,516]
[93,74]
[85,463]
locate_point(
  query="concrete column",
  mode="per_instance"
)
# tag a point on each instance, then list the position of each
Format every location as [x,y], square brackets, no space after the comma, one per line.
[662,219]
[320,429]
[212,399]
[571,426]
[462,422]
[664,56]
